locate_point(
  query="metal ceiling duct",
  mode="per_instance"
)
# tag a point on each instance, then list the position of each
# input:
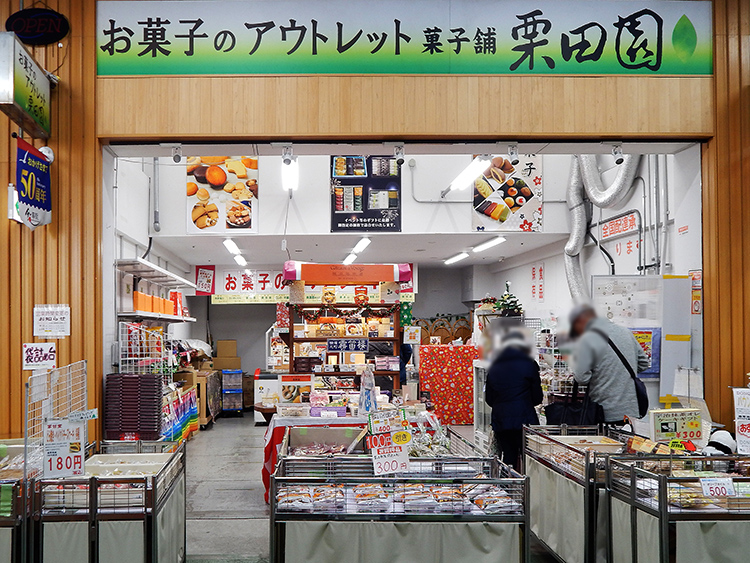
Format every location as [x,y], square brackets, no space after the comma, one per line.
[585,176]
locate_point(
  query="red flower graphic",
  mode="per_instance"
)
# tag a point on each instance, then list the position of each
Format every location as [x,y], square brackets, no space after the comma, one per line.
[526,226]
[537,180]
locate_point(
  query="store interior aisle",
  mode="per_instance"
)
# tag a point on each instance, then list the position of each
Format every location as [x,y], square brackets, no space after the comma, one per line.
[227,518]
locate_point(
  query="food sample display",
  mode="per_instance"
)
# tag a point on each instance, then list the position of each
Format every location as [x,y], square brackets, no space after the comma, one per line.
[222,193]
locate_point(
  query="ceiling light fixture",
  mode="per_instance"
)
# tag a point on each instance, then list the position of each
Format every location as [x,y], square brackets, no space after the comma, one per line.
[350,259]
[513,154]
[456,258]
[240,259]
[469,174]
[489,244]
[231,246]
[289,170]
[617,154]
[363,243]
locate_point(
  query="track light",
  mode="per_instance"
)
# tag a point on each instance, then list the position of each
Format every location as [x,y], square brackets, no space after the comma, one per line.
[513,154]
[456,258]
[469,174]
[363,243]
[177,154]
[489,244]
[289,170]
[617,154]
[350,259]
[232,247]
[240,259]
[398,153]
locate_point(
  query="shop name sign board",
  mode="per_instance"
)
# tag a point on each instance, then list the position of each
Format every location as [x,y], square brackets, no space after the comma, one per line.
[250,286]
[394,37]
[24,88]
[348,344]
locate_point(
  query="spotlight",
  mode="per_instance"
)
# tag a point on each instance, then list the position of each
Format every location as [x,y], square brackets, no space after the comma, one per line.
[287,155]
[177,154]
[513,154]
[398,152]
[617,154]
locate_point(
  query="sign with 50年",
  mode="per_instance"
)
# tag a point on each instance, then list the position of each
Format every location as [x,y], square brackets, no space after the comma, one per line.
[395,37]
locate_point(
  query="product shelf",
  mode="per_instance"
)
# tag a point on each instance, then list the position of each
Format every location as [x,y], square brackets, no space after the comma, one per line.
[146,316]
[324,338]
[146,270]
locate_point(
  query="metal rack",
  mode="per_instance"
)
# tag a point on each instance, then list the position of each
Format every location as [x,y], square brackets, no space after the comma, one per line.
[144,350]
[436,491]
[658,512]
[145,516]
[567,479]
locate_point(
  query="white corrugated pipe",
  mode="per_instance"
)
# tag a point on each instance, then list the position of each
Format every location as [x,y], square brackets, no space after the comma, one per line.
[584,174]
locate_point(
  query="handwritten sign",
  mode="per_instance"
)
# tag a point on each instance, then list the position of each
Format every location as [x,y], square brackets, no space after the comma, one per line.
[683,424]
[348,344]
[39,355]
[717,487]
[204,280]
[64,444]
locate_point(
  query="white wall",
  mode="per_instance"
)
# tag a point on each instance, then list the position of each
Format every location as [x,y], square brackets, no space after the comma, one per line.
[439,292]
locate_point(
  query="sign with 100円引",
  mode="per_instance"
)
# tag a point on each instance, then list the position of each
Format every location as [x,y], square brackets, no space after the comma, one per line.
[393,37]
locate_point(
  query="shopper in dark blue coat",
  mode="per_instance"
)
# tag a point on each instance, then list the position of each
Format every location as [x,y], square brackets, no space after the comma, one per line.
[513,388]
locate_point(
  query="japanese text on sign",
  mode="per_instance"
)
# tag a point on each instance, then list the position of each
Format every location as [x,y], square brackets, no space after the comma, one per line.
[51,321]
[717,486]
[39,355]
[33,186]
[204,280]
[390,451]
[379,423]
[348,344]
[447,36]
[684,424]
[620,226]
[64,444]
[742,418]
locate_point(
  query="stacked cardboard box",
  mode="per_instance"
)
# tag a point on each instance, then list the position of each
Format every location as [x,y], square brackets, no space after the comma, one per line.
[226,355]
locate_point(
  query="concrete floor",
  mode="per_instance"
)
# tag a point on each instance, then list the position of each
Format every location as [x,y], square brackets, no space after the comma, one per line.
[227,518]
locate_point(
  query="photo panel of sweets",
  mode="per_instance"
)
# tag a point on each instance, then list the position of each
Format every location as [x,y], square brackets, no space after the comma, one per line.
[365,194]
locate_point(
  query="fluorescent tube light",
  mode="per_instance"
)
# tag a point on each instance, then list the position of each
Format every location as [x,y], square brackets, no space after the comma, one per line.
[489,244]
[363,243]
[456,258]
[231,246]
[290,174]
[240,259]
[471,172]
[349,259]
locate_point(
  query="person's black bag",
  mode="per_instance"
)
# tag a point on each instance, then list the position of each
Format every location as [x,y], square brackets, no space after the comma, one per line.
[574,411]
[640,387]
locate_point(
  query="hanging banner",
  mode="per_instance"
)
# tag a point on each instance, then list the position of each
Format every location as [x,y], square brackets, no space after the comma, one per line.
[33,186]
[222,194]
[204,280]
[394,37]
[365,194]
[508,197]
[236,287]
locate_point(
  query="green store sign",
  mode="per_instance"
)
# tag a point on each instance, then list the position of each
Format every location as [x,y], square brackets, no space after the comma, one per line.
[494,37]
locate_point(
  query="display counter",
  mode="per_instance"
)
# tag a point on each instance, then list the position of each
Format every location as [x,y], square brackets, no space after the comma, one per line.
[662,510]
[566,467]
[128,508]
[332,508]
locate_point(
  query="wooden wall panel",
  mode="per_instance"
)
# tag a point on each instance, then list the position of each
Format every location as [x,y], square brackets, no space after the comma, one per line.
[726,213]
[58,263]
[404,107]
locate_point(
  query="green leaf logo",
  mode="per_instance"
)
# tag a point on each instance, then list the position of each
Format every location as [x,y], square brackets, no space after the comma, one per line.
[684,38]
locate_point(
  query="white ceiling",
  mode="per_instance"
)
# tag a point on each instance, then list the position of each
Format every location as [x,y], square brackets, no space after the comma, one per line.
[422,249]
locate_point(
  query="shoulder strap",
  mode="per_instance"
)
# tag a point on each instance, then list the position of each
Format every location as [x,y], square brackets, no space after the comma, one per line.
[616,350]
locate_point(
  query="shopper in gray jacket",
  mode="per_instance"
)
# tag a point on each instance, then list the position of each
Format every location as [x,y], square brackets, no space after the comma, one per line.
[596,364]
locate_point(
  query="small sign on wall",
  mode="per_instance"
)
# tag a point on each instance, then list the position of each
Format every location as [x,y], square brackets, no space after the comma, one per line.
[39,355]
[51,321]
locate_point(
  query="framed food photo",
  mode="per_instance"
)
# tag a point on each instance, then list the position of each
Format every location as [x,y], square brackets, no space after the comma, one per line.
[508,197]
[222,194]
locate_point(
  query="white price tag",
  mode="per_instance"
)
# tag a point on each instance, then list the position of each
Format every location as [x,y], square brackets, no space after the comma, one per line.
[390,453]
[329,414]
[379,423]
[717,487]
[64,444]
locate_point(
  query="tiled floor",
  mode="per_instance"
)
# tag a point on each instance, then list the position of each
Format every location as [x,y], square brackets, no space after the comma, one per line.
[227,518]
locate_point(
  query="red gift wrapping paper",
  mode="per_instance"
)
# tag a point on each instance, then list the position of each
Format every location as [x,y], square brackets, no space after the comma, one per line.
[282,316]
[447,372]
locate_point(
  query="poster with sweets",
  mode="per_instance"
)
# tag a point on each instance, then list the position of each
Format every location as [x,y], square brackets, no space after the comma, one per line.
[365,194]
[222,194]
[508,197]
